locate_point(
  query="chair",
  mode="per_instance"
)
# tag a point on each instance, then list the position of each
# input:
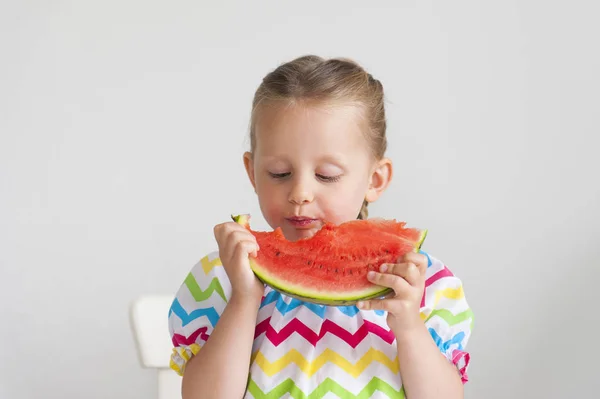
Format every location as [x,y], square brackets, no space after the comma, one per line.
[148,320]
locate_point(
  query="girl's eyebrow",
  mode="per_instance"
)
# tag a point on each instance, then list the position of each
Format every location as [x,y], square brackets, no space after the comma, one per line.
[274,158]
[332,159]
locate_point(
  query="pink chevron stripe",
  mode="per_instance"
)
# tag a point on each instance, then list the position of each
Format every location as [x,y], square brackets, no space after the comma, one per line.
[328,326]
[179,339]
[445,272]
[457,355]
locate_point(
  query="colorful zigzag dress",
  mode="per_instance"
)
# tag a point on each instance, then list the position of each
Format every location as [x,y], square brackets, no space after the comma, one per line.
[302,350]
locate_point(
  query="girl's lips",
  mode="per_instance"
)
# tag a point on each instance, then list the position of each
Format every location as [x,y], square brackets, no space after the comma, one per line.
[301,221]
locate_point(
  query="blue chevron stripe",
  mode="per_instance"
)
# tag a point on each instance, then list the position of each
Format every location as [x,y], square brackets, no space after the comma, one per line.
[270,298]
[186,318]
[319,310]
[353,310]
[444,346]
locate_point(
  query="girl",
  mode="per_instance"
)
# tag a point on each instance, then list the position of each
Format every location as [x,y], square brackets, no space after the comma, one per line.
[318,138]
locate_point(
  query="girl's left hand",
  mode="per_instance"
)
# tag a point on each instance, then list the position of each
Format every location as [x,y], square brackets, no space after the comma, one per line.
[407,279]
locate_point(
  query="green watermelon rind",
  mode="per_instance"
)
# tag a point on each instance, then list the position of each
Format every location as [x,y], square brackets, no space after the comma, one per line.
[335,300]
[338,300]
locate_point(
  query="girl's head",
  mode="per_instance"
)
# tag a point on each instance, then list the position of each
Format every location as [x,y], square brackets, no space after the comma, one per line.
[318,139]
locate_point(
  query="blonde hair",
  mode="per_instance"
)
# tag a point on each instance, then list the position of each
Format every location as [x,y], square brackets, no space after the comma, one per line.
[315,79]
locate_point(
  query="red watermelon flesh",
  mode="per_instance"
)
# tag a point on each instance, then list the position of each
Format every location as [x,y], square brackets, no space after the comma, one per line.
[331,267]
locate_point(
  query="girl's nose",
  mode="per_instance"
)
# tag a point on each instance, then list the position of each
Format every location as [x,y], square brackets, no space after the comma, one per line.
[301,193]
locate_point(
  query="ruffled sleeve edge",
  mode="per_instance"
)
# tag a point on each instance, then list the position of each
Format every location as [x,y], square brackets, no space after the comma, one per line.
[461,360]
[181,355]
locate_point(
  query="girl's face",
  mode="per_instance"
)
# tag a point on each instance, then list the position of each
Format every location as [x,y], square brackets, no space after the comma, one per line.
[313,164]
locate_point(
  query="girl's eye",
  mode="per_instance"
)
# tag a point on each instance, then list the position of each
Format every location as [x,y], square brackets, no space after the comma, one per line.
[279,175]
[329,179]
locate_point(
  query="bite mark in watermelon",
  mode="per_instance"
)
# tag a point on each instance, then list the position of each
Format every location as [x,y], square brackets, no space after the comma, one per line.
[330,268]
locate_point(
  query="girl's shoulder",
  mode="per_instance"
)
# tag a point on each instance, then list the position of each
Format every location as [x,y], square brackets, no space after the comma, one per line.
[208,265]
[438,268]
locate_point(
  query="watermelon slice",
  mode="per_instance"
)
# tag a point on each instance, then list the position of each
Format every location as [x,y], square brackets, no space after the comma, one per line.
[330,268]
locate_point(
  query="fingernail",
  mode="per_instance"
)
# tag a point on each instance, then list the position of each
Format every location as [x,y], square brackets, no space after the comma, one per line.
[383,268]
[371,274]
[360,304]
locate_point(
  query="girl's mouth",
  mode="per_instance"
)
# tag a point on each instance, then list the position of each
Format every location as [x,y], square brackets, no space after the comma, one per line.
[301,221]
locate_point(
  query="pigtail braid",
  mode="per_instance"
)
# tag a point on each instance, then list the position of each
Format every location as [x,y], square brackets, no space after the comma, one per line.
[364,212]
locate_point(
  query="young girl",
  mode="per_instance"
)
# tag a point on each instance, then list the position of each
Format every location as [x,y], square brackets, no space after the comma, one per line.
[318,138]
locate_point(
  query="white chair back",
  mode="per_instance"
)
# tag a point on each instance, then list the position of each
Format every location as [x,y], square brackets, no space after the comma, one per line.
[148,318]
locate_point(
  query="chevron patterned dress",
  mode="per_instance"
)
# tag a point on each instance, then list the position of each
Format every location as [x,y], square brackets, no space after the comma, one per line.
[302,350]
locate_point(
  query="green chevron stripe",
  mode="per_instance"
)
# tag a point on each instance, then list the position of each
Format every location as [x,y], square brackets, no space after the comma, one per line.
[288,386]
[197,292]
[450,318]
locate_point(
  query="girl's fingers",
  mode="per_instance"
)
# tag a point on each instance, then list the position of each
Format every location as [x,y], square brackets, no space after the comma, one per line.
[375,304]
[240,240]
[395,282]
[407,271]
[224,231]
[244,248]
[402,277]
[418,260]
[236,236]
[243,239]
[413,275]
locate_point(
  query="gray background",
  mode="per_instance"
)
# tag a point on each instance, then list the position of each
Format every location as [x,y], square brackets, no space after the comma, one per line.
[122,125]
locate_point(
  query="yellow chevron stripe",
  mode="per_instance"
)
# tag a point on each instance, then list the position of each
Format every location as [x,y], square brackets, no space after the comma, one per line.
[183,353]
[175,367]
[450,293]
[328,356]
[207,265]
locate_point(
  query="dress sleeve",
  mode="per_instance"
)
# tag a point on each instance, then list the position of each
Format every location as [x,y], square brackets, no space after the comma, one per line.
[197,306]
[447,315]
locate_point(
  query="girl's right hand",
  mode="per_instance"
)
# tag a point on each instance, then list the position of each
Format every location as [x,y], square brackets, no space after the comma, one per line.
[236,243]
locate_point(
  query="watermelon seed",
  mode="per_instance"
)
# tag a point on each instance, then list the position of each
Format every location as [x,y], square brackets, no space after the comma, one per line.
[336,270]
[320,266]
[277,253]
[308,263]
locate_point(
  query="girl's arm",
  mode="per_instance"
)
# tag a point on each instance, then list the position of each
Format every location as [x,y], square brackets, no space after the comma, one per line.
[431,321]
[425,371]
[220,369]
[214,362]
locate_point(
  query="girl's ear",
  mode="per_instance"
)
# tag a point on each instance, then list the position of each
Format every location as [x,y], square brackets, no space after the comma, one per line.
[249,165]
[379,180]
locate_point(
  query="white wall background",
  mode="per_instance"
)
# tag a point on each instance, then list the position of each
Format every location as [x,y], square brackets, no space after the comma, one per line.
[122,125]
